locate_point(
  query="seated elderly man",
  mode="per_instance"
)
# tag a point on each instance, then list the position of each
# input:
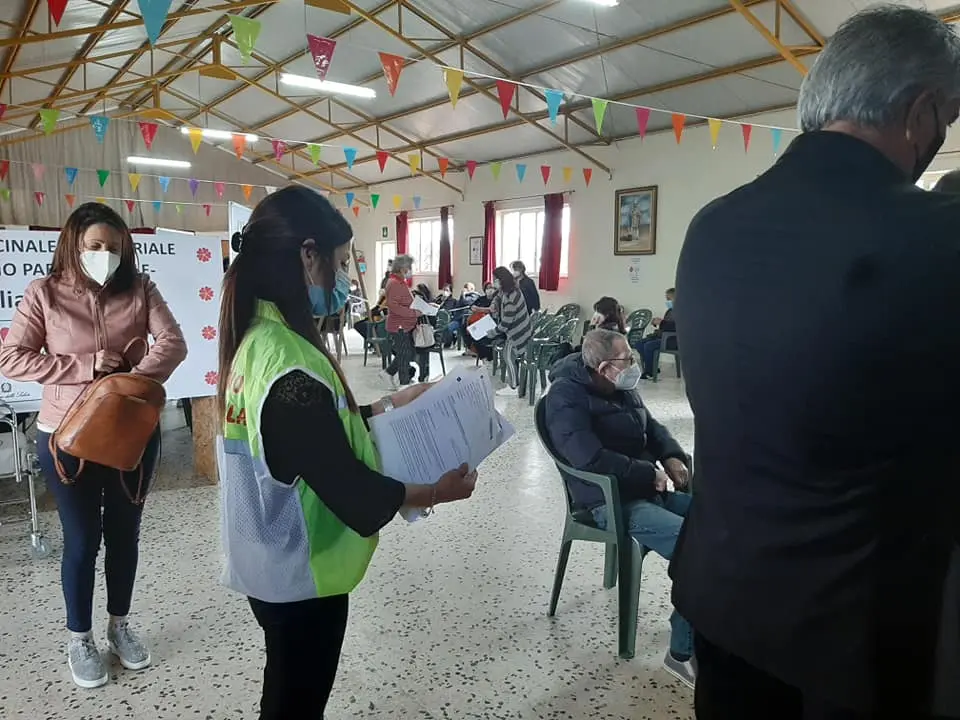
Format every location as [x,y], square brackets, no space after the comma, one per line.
[598,423]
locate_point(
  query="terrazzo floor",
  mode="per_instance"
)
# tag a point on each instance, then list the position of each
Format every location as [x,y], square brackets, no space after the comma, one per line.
[450,622]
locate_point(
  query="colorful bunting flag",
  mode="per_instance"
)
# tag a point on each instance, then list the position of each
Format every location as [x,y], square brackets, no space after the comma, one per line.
[382,157]
[776,135]
[350,155]
[71,199]
[444,164]
[131,204]
[392,67]
[39,197]
[194,184]
[279,148]
[102,176]
[521,172]
[416,202]
[179,208]
[506,91]
[643,117]
[48,119]
[414,160]
[567,174]
[246,31]
[587,175]
[239,144]
[5,168]
[678,120]
[220,188]
[747,131]
[714,125]
[71,175]
[157,205]
[247,191]
[545,173]
[454,81]
[356,211]
[314,151]
[38,170]
[554,99]
[397,202]
[100,123]
[5,193]
[269,189]
[321,49]
[471,168]
[56,10]
[495,168]
[148,130]
[164,183]
[101,200]
[3,110]
[196,137]
[374,200]
[350,196]
[134,179]
[206,209]
[154,14]
[599,112]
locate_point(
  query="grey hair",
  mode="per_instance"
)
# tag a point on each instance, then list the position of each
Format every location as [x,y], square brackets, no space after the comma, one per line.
[876,65]
[402,262]
[598,347]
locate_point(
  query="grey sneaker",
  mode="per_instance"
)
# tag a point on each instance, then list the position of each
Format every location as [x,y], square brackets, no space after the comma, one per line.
[683,670]
[86,665]
[128,648]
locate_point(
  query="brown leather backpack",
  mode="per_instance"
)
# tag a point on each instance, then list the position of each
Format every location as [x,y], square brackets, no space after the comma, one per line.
[111,424]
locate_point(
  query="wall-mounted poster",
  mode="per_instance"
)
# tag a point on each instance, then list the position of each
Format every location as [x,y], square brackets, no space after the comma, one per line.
[635,221]
[476,250]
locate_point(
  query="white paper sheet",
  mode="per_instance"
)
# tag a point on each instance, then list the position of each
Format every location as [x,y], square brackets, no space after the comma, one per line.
[453,423]
[424,307]
[481,327]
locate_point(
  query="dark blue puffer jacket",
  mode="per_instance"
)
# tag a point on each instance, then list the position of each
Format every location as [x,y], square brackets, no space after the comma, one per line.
[604,434]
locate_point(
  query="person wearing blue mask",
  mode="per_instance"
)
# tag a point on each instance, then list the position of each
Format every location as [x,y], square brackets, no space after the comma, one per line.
[649,345]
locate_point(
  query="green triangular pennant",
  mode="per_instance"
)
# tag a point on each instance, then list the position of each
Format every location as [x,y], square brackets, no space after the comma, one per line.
[246,31]
[314,151]
[5,193]
[495,169]
[374,200]
[102,176]
[599,111]
[48,118]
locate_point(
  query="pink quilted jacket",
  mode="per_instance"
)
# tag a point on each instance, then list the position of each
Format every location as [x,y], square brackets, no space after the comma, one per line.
[59,328]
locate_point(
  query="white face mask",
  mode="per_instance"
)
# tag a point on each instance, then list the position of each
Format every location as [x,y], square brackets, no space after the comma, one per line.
[99,265]
[597,319]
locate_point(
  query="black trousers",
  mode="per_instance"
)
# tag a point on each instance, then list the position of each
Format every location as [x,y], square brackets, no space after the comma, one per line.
[303,641]
[729,688]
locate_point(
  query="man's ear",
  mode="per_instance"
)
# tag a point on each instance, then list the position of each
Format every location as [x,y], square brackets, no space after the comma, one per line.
[919,118]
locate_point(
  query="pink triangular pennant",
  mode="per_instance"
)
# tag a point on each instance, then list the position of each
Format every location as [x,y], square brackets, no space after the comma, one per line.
[39,197]
[220,188]
[587,175]
[382,158]
[131,204]
[38,170]
[471,168]
[643,117]
[506,91]
[279,148]
[392,67]
[149,131]
[321,49]
[545,173]
[747,132]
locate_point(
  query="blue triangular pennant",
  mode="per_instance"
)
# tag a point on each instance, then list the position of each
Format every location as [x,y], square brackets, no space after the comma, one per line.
[164,183]
[350,155]
[100,123]
[350,197]
[521,172]
[71,174]
[416,201]
[157,205]
[154,13]
[554,99]
[776,134]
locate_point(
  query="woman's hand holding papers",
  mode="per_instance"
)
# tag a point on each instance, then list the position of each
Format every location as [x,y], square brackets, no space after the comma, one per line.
[452,486]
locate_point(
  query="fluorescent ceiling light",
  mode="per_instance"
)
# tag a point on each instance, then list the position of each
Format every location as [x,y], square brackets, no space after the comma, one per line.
[327,86]
[157,162]
[605,3]
[218,134]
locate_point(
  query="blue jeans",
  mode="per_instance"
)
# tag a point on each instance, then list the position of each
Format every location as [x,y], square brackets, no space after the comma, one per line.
[647,349]
[656,524]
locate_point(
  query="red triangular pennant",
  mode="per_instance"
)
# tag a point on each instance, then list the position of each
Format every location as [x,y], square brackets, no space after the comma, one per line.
[444,163]
[382,157]
[505,91]
[56,10]
[471,168]
[70,199]
[545,173]
[39,196]
[356,211]
[3,110]
[643,117]
[131,204]
[4,169]
[206,209]
[321,49]
[392,67]
[747,131]
[587,175]
[149,131]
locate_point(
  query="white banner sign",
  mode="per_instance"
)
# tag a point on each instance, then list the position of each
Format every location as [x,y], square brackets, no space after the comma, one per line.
[188,271]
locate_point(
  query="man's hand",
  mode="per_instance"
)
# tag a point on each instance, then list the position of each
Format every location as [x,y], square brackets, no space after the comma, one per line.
[656,322]
[678,473]
[660,481]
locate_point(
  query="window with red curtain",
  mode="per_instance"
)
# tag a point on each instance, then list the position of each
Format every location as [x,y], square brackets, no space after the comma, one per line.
[444,272]
[402,233]
[489,240]
[552,245]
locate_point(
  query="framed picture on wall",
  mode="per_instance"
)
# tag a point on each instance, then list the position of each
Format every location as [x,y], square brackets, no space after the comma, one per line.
[635,221]
[476,250]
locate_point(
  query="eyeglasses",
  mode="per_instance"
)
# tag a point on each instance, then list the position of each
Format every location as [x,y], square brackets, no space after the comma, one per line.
[629,359]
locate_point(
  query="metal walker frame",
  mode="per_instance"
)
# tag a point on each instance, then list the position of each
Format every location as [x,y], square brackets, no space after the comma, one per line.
[39,548]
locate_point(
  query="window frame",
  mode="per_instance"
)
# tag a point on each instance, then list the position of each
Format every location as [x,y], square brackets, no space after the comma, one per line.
[417,253]
[532,258]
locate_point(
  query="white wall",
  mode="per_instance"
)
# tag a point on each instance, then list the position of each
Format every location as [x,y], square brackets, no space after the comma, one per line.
[688,177]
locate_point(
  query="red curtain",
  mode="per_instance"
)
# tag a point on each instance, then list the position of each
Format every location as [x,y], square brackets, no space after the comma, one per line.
[489,240]
[552,242]
[402,233]
[444,272]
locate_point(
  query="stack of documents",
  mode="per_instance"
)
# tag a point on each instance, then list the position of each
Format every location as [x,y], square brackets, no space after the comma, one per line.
[424,308]
[454,422]
[482,327]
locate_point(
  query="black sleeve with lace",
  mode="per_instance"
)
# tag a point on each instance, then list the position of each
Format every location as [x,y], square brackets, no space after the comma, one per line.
[304,437]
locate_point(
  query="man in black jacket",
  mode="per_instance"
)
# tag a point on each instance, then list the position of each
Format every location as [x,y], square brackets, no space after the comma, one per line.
[815,591]
[531,296]
[598,424]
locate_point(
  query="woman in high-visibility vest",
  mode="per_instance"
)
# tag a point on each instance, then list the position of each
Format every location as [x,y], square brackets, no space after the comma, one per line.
[302,495]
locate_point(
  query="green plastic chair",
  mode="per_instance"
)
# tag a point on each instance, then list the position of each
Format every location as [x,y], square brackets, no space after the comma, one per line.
[668,346]
[570,310]
[439,330]
[639,319]
[623,562]
[542,355]
[377,335]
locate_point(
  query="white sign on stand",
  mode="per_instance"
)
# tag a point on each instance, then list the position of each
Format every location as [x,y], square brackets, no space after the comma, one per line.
[188,272]
[237,216]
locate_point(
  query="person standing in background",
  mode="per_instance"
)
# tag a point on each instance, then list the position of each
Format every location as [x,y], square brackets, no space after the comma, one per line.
[509,311]
[70,328]
[527,286]
[401,320]
[813,593]
[386,276]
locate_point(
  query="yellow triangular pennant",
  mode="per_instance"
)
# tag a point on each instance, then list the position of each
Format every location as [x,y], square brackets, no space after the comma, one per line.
[454,80]
[567,174]
[196,137]
[134,180]
[414,161]
[397,202]
[714,131]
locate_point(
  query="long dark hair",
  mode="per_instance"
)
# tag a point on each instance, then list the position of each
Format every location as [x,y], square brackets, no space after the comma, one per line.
[507,283]
[268,267]
[612,313]
[66,258]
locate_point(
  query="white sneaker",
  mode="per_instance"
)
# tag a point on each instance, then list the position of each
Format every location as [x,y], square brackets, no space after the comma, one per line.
[128,648]
[683,670]
[390,380]
[86,664]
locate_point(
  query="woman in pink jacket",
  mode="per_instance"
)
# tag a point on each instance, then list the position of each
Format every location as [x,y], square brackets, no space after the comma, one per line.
[71,327]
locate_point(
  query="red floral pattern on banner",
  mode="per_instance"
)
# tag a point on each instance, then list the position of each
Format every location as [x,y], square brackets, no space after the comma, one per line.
[206,294]
[209,332]
[210,378]
[204,255]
